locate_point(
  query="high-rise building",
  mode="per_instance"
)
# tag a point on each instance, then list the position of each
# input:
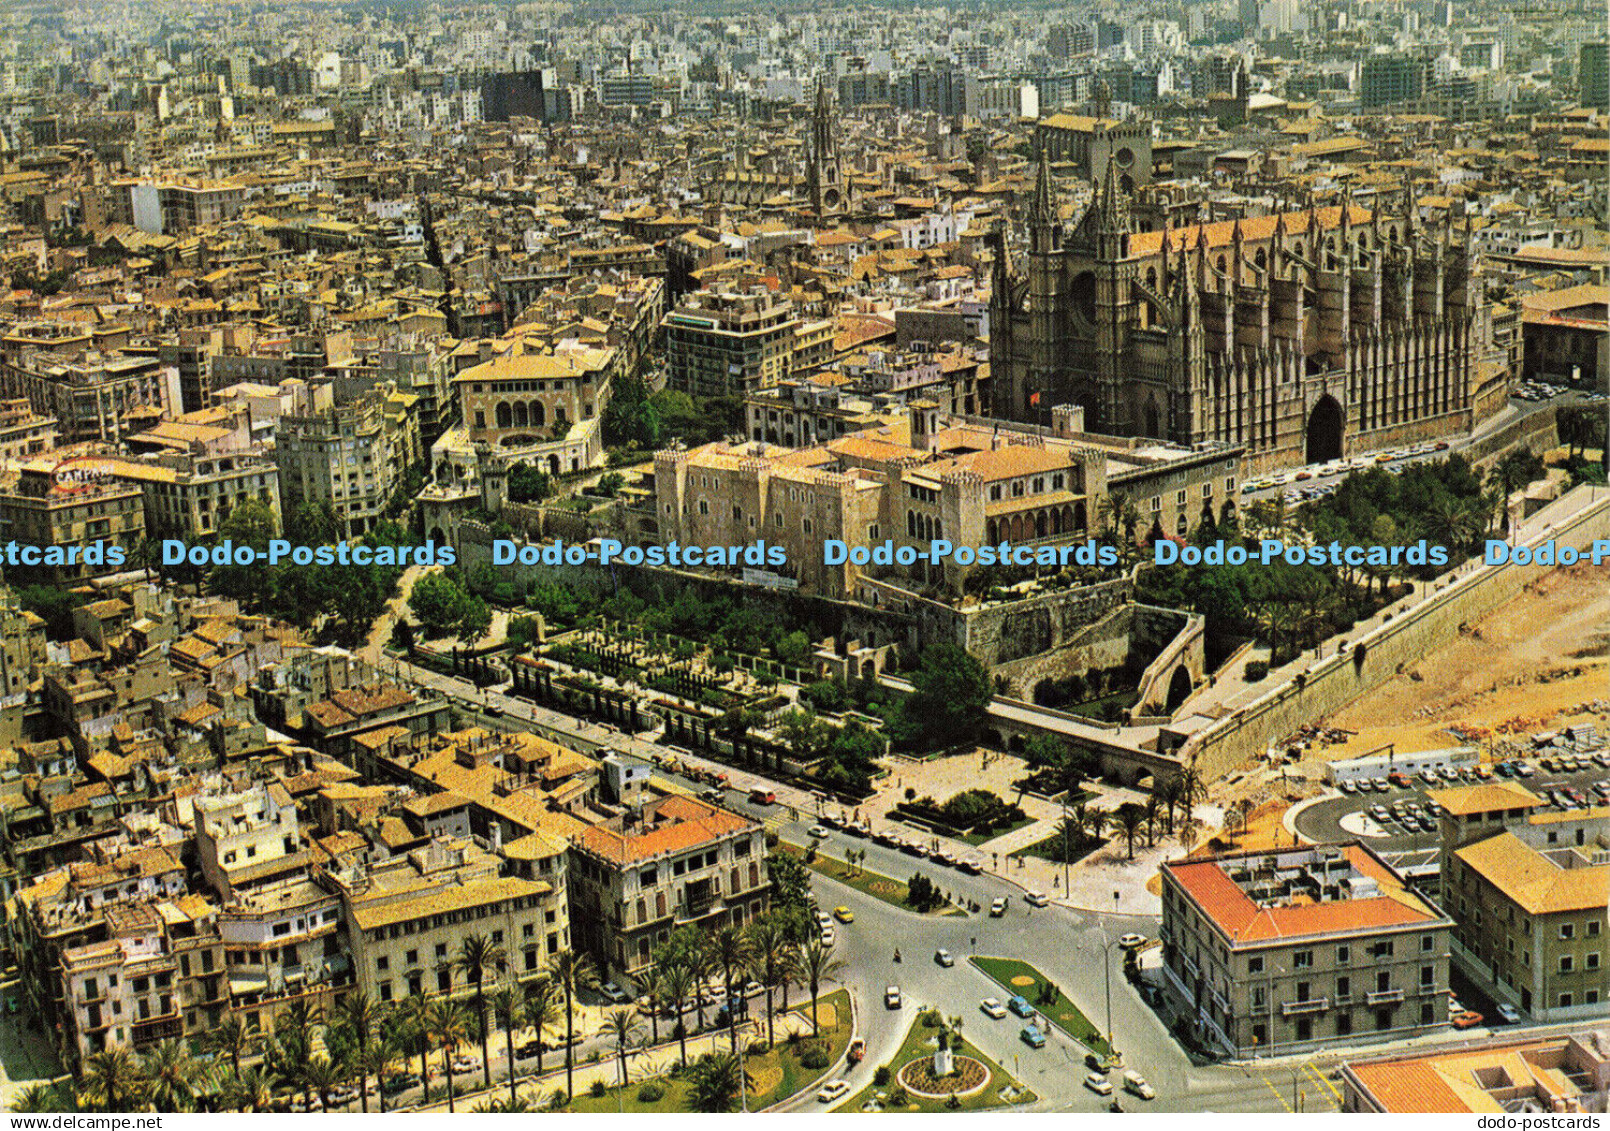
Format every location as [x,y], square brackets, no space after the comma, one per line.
[1386,80]
[513,94]
[1593,74]
[726,344]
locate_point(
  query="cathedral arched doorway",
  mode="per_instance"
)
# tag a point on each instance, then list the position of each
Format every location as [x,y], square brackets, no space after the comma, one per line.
[1325,431]
[1154,419]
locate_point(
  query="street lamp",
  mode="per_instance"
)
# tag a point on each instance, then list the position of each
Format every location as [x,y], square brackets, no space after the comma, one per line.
[1106,968]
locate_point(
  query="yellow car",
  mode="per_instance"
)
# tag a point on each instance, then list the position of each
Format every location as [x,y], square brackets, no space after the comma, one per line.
[843,914]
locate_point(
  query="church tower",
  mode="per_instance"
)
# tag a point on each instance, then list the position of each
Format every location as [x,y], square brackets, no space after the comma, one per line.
[1046,303]
[825,174]
[1113,301]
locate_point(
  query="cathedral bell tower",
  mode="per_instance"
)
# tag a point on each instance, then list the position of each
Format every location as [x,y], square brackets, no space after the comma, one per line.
[825,173]
[1046,302]
[1114,299]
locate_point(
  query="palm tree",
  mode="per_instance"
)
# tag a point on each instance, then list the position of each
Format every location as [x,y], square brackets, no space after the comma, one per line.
[1130,818]
[479,956]
[716,1080]
[539,1010]
[376,1059]
[167,1065]
[230,1038]
[322,1075]
[112,1079]
[44,1097]
[362,1017]
[249,1091]
[769,951]
[652,983]
[1095,822]
[506,1004]
[678,978]
[819,966]
[727,947]
[450,1025]
[414,1014]
[298,1021]
[619,1024]
[573,972]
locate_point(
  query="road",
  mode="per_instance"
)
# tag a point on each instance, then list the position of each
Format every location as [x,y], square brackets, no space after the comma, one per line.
[1317,475]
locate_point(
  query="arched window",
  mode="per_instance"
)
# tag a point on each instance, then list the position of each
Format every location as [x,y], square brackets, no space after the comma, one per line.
[539,415]
[1151,278]
[1223,265]
[504,416]
[1261,259]
[520,417]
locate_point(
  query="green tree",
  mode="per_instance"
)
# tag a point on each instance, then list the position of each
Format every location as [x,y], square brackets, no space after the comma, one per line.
[363,1018]
[251,524]
[479,956]
[539,1009]
[449,1024]
[112,1081]
[54,605]
[818,965]
[528,484]
[790,881]
[573,972]
[437,601]
[716,1079]
[951,695]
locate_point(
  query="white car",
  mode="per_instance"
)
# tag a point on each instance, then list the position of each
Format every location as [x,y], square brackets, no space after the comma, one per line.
[1509,1013]
[1037,899]
[944,957]
[463,1064]
[997,907]
[1098,1083]
[818,832]
[828,938]
[891,997]
[836,1090]
[992,1008]
[1132,941]
[613,992]
[1136,1084]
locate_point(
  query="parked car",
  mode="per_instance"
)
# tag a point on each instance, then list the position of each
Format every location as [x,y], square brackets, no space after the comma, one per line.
[818,832]
[1037,899]
[833,1091]
[843,914]
[1347,787]
[997,908]
[1509,1013]
[1032,1036]
[1098,1084]
[1466,1019]
[614,993]
[1019,1005]
[1132,941]
[944,957]
[891,997]
[992,1007]
[857,1050]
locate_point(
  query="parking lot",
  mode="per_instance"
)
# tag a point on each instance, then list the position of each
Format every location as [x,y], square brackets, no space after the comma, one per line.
[1402,817]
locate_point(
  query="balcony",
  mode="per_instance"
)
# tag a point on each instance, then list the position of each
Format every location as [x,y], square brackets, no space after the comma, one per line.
[692,909]
[1384,997]
[1312,1005]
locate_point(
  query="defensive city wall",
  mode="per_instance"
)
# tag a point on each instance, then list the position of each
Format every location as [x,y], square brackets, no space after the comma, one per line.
[1356,666]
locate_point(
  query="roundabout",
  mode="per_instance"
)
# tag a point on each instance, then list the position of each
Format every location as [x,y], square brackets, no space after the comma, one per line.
[968,1077]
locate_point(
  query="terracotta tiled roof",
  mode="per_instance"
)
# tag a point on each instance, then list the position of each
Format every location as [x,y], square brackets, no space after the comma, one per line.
[1533,880]
[675,824]
[1485,798]
[1244,921]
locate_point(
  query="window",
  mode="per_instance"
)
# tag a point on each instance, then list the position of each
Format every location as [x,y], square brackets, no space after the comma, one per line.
[382,964]
[1427,1016]
[1565,964]
[1592,961]
[1593,928]
[1302,959]
[1428,943]
[1428,975]
[1255,964]
[1567,930]
[1344,1024]
[1344,955]
[1565,1001]
[1383,949]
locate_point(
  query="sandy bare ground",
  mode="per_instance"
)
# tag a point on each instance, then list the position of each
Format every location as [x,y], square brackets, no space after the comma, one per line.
[1535,664]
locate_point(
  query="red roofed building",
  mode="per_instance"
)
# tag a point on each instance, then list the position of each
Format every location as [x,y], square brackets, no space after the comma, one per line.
[666,861]
[1289,950]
